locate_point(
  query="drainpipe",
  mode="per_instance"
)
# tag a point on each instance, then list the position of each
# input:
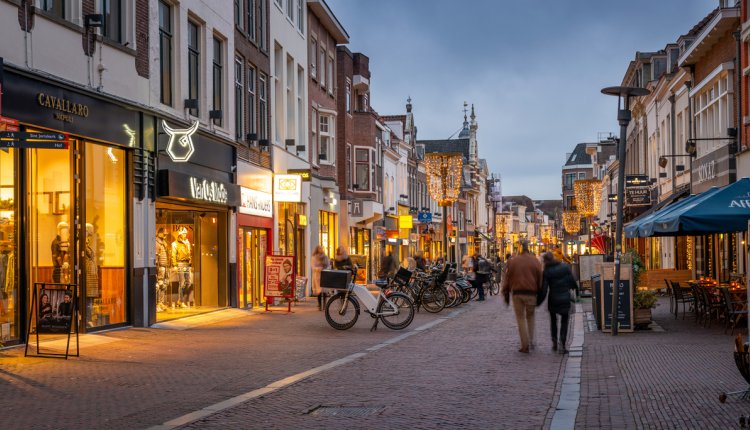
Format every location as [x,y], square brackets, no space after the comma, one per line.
[672,138]
[738,97]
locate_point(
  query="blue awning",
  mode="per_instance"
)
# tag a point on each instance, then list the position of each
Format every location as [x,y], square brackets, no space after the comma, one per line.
[632,229]
[718,210]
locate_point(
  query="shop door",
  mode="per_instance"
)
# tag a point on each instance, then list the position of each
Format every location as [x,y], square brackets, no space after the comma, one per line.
[254,248]
[52,235]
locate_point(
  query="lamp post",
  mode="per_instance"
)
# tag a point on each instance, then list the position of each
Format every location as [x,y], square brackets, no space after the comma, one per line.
[444,180]
[623,94]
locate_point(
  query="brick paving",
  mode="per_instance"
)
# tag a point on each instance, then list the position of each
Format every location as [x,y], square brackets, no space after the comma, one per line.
[464,372]
[660,379]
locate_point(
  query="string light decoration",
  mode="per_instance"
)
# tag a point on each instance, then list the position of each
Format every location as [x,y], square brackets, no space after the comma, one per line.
[571,221]
[588,196]
[546,234]
[444,171]
[501,221]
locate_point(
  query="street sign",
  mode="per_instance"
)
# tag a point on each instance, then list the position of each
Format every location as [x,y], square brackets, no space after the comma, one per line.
[25,139]
[424,217]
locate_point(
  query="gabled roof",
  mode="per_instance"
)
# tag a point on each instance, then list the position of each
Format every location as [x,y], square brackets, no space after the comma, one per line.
[519,201]
[446,145]
[550,207]
[579,156]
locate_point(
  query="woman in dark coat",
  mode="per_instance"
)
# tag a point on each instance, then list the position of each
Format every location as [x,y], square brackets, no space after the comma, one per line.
[559,281]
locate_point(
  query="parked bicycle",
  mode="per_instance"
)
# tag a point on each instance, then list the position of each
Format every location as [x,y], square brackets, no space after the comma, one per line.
[396,310]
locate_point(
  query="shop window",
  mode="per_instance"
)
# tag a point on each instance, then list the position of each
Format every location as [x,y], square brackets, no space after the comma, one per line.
[189,258]
[9,305]
[329,232]
[291,231]
[104,238]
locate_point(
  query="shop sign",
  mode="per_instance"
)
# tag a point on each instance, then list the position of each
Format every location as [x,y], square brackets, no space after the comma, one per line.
[65,110]
[638,196]
[636,180]
[424,217]
[210,191]
[254,202]
[8,124]
[380,232]
[707,171]
[287,188]
[279,276]
[405,221]
[303,173]
[358,208]
[180,147]
[391,234]
[203,190]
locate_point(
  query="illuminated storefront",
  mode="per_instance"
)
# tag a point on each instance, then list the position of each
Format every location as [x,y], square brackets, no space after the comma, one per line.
[65,205]
[254,240]
[195,197]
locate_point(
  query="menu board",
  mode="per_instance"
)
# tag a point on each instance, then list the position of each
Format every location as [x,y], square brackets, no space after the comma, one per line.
[624,305]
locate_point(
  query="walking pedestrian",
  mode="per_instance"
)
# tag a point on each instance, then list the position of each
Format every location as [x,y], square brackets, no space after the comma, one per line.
[558,279]
[482,270]
[523,278]
[342,261]
[320,262]
[420,260]
[388,266]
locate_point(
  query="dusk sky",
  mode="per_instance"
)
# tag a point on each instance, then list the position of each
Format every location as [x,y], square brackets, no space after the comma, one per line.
[532,69]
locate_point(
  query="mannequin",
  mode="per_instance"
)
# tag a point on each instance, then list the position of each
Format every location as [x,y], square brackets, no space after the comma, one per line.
[93,290]
[182,259]
[162,272]
[61,254]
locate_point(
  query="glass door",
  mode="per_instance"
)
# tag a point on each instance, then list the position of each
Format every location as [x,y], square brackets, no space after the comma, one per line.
[9,311]
[52,217]
[254,247]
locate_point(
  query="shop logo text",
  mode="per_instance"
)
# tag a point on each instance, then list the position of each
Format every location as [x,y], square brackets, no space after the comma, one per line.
[209,191]
[66,109]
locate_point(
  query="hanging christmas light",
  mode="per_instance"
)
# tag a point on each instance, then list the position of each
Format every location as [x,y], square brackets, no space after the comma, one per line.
[501,221]
[571,221]
[588,196]
[444,171]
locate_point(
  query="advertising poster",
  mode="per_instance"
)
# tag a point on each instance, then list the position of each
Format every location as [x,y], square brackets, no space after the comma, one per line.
[55,310]
[280,276]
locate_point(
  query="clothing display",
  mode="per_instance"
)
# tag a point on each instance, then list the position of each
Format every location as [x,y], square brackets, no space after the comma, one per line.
[60,260]
[162,270]
[182,259]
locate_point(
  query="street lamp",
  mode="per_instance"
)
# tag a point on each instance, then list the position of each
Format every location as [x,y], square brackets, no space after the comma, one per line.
[623,94]
[444,184]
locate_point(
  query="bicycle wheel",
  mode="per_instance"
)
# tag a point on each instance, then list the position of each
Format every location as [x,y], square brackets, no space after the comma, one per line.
[465,295]
[400,309]
[433,299]
[342,311]
[454,294]
[494,287]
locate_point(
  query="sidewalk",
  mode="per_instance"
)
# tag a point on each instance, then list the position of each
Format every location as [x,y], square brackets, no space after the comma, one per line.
[660,379]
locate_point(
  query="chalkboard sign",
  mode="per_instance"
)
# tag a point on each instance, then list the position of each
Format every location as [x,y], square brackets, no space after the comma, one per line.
[624,305]
[596,299]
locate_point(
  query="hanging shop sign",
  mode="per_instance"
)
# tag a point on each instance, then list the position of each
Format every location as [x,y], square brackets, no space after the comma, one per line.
[202,190]
[8,124]
[636,180]
[405,221]
[638,196]
[287,188]
[713,170]
[612,198]
[424,217]
[254,202]
[380,232]
[303,173]
[358,209]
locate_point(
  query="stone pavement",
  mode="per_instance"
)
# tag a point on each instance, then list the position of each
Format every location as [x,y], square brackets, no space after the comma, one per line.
[669,378]
[458,371]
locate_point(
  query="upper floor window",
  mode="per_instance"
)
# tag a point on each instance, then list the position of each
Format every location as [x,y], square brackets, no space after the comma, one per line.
[250,9]
[251,101]
[239,90]
[290,9]
[348,97]
[165,53]
[261,37]
[322,64]
[362,169]
[262,106]
[327,138]
[313,57]
[218,71]
[58,8]
[300,16]
[239,14]
[194,62]
[113,12]
[329,75]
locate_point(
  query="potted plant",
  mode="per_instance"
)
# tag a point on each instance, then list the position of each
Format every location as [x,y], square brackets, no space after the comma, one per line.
[643,302]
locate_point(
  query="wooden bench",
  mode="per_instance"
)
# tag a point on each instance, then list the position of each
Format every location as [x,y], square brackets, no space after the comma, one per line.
[654,279]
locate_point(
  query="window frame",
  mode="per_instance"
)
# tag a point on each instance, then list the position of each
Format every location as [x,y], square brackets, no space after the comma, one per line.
[218,77]
[120,18]
[329,136]
[314,50]
[262,106]
[357,163]
[194,64]
[252,97]
[166,92]
[250,19]
[239,92]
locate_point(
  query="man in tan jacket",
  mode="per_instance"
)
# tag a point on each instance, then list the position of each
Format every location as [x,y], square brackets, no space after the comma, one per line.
[523,278]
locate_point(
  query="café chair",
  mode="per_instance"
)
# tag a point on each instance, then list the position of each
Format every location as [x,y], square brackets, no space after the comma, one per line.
[733,310]
[671,296]
[681,295]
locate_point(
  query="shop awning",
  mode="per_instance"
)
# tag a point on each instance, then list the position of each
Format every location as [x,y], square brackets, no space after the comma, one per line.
[632,228]
[484,236]
[718,210]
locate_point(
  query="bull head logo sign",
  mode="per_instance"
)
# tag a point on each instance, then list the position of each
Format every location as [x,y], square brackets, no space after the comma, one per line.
[180,147]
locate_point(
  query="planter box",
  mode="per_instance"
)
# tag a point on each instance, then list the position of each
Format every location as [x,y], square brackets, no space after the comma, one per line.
[642,316]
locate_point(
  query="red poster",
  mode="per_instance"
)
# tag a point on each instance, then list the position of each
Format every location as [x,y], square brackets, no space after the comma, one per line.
[279,276]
